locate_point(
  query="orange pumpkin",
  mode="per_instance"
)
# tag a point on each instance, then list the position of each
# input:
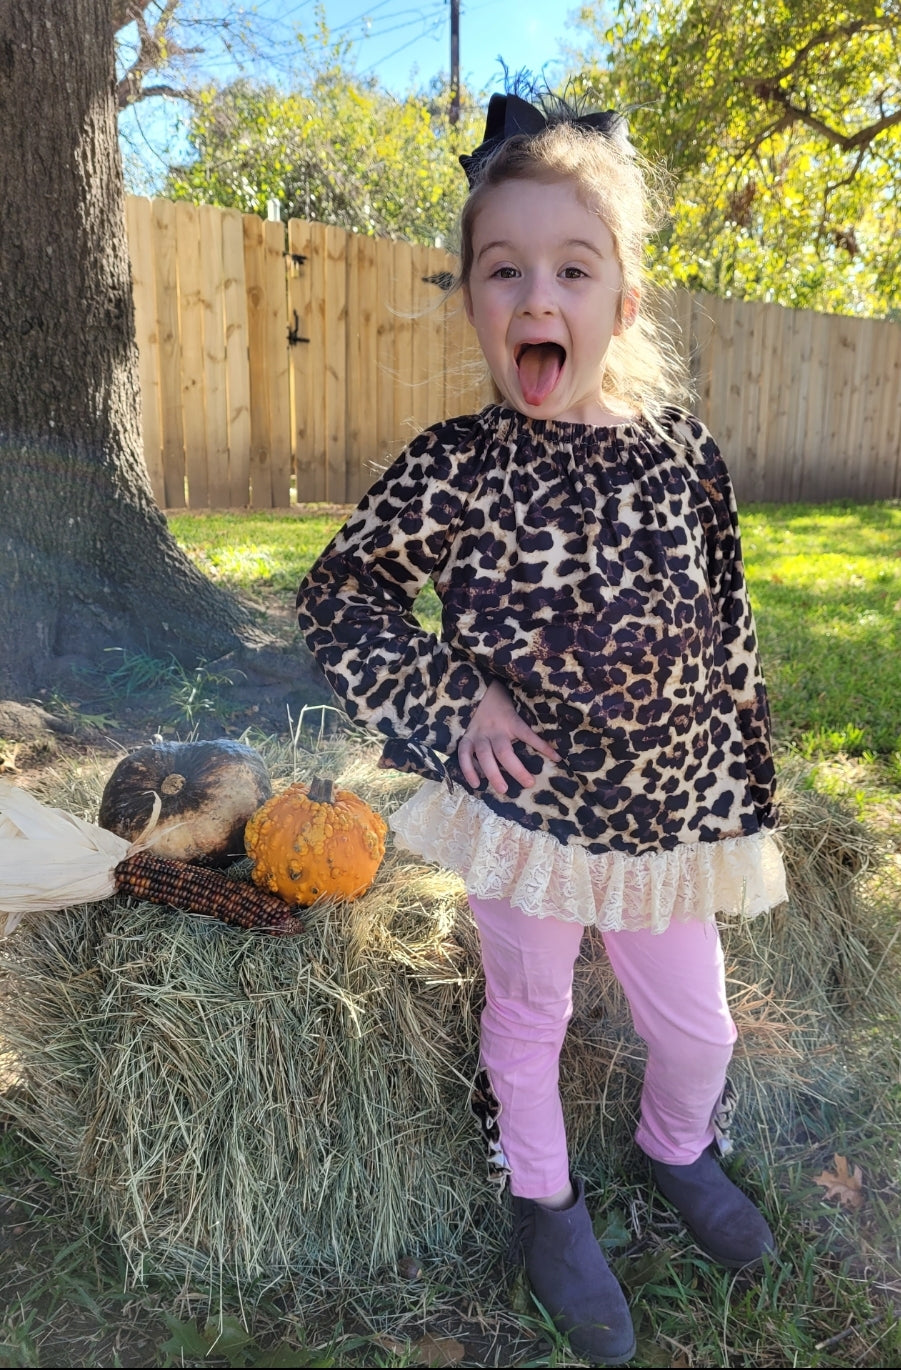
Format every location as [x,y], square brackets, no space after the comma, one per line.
[313,841]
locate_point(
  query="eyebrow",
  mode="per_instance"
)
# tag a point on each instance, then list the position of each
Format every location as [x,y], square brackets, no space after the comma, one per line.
[570,242]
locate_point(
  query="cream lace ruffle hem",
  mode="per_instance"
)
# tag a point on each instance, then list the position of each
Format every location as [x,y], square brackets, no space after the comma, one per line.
[499,859]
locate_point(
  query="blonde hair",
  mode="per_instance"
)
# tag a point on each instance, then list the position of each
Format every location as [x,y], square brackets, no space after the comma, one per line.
[643,370]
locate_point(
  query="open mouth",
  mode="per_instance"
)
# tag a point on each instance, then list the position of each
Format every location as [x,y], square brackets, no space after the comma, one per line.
[538,365]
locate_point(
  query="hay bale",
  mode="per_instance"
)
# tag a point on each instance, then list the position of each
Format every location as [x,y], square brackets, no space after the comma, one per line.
[256,1105]
[242,1107]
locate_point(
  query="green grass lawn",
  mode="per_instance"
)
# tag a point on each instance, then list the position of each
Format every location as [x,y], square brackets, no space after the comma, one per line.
[826,585]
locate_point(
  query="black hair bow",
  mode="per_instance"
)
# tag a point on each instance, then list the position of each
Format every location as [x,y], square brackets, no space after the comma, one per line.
[509,115]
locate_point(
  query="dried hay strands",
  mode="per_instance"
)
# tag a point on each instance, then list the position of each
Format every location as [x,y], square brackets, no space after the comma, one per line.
[250,1106]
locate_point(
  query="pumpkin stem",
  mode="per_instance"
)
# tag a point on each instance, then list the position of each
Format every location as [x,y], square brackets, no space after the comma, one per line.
[322,790]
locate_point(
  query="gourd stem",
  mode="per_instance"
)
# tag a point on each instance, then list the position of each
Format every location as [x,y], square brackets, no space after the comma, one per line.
[322,790]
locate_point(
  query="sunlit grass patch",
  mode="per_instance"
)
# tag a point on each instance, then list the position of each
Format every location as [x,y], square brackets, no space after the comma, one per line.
[245,549]
[825,581]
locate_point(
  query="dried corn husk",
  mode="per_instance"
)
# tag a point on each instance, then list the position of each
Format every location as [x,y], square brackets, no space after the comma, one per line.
[50,859]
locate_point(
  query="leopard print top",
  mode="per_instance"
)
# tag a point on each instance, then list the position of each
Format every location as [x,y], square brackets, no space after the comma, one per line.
[597,572]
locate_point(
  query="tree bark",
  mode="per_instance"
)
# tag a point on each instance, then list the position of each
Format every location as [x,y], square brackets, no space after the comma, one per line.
[86,557]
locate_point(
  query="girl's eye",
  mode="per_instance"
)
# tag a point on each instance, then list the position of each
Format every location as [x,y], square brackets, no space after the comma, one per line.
[505,273]
[573,273]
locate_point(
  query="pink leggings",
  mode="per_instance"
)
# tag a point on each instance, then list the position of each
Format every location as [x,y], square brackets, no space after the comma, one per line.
[676,988]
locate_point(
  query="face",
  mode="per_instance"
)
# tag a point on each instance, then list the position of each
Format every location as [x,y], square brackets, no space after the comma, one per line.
[544,297]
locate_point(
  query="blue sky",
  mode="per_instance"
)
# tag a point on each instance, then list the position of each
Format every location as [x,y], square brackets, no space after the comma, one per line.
[402,42]
[396,36]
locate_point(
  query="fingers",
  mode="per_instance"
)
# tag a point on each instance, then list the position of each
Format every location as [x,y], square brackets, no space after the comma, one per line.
[483,754]
[465,754]
[490,755]
[487,746]
[537,743]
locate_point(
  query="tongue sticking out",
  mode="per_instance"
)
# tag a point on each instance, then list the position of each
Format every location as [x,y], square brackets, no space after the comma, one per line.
[539,367]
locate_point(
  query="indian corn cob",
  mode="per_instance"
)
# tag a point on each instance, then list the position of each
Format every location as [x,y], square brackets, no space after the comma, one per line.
[196,889]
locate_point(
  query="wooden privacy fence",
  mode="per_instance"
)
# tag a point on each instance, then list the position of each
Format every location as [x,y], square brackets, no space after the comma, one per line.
[292,362]
[277,361]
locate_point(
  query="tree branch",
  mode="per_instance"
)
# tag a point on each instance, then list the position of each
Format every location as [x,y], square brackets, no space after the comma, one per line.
[769,90]
[825,36]
[150,92]
[156,49]
[126,12]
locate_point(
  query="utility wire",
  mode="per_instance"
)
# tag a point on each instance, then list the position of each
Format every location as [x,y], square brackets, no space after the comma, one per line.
[424,33]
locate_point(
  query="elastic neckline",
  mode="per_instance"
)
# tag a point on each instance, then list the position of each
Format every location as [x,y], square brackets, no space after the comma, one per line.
[560,428]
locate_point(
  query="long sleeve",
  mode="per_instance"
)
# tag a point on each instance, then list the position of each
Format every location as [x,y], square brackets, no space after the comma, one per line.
[355,605]
[744,673]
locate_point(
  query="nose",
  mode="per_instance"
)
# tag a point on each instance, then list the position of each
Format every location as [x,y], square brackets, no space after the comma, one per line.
[537,295]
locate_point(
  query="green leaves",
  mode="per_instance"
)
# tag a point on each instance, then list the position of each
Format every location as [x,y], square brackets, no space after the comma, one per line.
[782,124]
[338,148]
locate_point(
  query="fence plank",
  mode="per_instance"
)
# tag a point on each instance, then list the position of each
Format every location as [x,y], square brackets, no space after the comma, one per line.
[260,435]
[138,212]
[735,409]
[720,418]
[215,382]
[766,338]
[816,409]
[423,351]
[355,364]
[780,360]
[434,325]
[237,363]
[191,321]
[387,424]
[277,366]
[318,425]
[404,263]
[362,372]
[301,358]
[887,465]
[842,354]
[169,346]
[704,345]
[336,364]
[681,339]
[863,393]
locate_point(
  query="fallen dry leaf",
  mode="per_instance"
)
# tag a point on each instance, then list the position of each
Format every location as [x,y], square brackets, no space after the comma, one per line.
[433,1351]
[845,1185]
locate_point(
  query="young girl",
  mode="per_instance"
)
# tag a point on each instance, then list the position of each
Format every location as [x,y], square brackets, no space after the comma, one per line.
[592,723]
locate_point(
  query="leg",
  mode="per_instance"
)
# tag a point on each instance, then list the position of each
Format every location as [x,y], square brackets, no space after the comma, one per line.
[676,986]
[528,965]
[528,983]
[675,983]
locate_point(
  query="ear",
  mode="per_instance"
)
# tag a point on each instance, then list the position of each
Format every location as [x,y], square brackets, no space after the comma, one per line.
[628,310]
[467,302]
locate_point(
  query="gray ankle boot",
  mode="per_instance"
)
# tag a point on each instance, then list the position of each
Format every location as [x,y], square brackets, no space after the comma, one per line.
[723,1221]
[572,1281]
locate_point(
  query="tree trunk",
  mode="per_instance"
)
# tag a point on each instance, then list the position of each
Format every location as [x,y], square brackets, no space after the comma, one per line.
[86,558]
